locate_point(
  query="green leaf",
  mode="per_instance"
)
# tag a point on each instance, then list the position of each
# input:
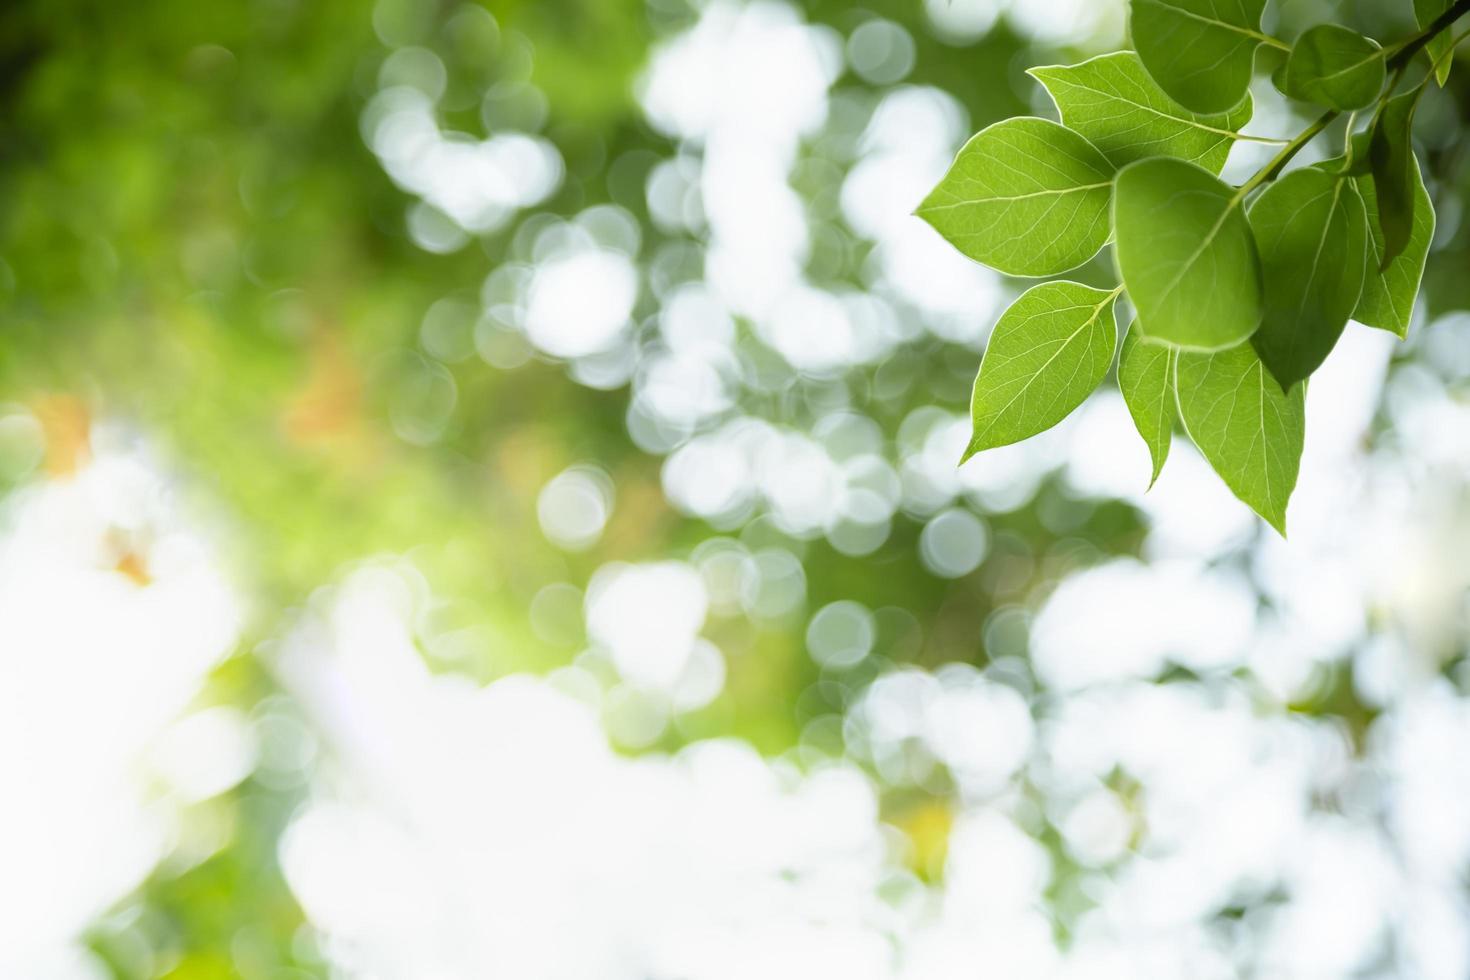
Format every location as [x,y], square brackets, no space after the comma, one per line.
[1312,235]
[1391,160]
[1426,12]
[1244,424]
[1389,294]
[1186,255]
[1046,355]
[1335,67]
[1202,52]
[1145,376]
[1113,102]
[1026,196]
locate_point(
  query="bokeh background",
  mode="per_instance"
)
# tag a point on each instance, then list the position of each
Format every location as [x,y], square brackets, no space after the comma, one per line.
[480,502]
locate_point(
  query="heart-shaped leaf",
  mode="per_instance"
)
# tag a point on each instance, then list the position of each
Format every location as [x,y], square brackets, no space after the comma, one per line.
[1120,109]
[1026,196]
[1046,355]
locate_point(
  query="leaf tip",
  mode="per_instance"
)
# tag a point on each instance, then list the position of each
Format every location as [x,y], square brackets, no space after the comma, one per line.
[1277,520]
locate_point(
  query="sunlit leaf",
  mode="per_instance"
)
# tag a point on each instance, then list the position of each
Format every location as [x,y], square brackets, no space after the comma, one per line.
[1120,109]
[1201,52]
[1312,235]
[1026,196]
[1335,67]
[1186,255]
[1145,376]
[1047,354]
[1245,425]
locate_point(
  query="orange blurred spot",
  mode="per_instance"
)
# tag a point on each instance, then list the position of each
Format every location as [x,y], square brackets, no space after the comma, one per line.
[134,567]
[328,405]
[67,425]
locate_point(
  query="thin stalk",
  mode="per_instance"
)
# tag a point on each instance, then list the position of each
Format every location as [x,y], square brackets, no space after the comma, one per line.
[1271,170]
[1405,52]
[1398,63]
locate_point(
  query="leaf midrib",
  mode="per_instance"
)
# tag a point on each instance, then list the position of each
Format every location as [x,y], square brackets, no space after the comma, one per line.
[1092,318]
[1011,198]
[1125,100]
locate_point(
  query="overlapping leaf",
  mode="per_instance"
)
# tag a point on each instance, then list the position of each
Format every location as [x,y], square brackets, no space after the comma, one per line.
[1201,52]
[1245,425]
[1425,11]
[1312,235]
[1047,353]
[1235,308]
[1113,102]
[1335,67]
[1145,376]
[1391,291]
[1392,162]
[1026,196]
[1186,255]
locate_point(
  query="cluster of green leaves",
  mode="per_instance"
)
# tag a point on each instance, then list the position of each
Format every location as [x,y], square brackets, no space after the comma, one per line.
[1238,293]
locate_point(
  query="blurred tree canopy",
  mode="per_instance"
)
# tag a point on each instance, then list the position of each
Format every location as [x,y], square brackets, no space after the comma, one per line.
[197,241]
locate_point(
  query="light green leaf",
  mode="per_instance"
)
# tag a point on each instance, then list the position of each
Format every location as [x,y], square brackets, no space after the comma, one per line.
[1335,67]
[1426,11]
[1186,255]
[1146,378]
[1112,101]
[1047,353]
[1202,52]
[1026,196]
[1245,425]
[1312,235]
[1392,163]
[1389,294]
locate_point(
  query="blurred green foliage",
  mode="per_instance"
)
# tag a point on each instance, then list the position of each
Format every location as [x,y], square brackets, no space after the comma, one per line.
[195,239]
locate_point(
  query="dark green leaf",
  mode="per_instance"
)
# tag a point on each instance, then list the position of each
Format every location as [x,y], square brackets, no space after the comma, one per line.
[1391,159]
[1146,378]
[1026,196]
[1335,67]
[1186,255]
[1389,295]
[1391,291]
[1426,11]
[1312,235]
[1113,102]
[1245,425]
[1202,52]
[1047,353]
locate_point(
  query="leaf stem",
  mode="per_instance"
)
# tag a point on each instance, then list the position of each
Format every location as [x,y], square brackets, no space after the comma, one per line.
[1271,170]
[1398,62]
[1405,52]
[1447,54]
